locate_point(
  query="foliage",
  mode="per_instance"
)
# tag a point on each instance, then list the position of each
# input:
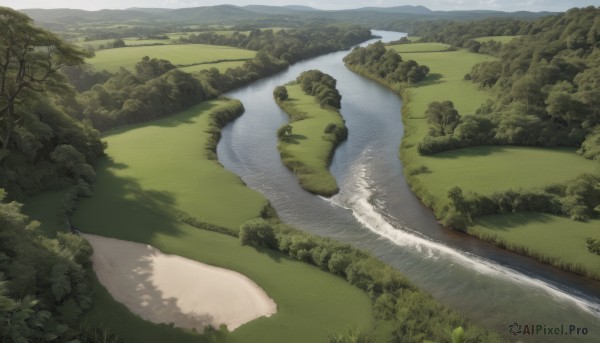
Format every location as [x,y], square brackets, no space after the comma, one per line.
[37,110]
[577,199]
[258,232]
[44,286]
[385,64]
[284,131]
[442,118]
[30,58]
[149,69]
[280,93]
[126,98]
[593,245]
[546,84]
[289,45]
[322,87]
[463,33]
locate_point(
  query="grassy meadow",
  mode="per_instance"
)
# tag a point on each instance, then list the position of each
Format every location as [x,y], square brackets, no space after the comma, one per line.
[419,47]
[491,168]
[221,66]
[180,55]
[154,171]
[545,238]
[305,151]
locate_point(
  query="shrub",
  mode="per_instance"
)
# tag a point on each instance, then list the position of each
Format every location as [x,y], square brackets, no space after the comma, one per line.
[258,232]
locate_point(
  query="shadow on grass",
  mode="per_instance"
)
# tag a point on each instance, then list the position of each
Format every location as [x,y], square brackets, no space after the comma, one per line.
[511,221]
[294,138]
[121,208]
[168,120]
[475,151]
[431,79]
[273,254]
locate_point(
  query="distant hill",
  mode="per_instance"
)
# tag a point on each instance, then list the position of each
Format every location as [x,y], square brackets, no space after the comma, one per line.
[253,14]
[397,9]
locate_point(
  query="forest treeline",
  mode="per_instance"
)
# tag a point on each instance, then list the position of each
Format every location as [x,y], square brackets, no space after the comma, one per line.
[545,91]
[289,45]
[385,65]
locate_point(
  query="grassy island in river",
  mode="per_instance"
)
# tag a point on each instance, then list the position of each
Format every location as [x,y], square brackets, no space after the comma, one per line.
[316,127]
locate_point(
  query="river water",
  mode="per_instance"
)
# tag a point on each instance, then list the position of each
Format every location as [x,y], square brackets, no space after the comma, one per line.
[376,211]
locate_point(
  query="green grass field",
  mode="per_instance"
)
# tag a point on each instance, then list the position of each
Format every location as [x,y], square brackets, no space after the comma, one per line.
[494,168]
[544,235]
[419,47]
[221,66]
[305,151]
[180,55]
[155,170]
[487,169]
[501,39]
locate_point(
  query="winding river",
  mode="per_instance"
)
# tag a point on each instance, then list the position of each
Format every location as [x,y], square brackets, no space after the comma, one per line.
[376,211]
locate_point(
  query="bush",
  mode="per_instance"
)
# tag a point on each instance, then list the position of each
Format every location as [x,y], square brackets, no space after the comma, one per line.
[593,245]
[432,145]
[258,232]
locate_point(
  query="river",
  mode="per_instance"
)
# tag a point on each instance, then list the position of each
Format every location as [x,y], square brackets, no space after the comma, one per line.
[376,211]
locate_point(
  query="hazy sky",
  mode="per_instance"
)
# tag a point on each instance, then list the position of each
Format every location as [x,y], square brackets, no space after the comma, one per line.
[502,5]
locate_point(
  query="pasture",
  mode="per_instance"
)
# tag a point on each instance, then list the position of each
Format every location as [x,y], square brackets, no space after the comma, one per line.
[543,236]
[180,55]
[419,47]
[305,151]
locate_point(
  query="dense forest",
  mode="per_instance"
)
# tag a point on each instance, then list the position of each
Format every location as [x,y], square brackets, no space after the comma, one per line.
[43,146]
[545,92]
[386,65]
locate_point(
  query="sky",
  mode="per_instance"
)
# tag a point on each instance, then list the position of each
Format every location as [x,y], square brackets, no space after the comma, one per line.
[444,5]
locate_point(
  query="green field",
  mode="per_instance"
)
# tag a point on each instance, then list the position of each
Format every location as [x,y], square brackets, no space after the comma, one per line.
[305,151]
[558,239]
[419,47]
[501,39]
[155,170]
[132,41]
[221,66]
[495,168]
[180,55]
[487,169]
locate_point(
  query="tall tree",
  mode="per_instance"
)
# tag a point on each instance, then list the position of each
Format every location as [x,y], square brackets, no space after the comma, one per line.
[30,58]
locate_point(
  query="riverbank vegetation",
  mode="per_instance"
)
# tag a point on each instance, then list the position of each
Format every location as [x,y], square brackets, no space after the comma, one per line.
[316,128]
[505,179]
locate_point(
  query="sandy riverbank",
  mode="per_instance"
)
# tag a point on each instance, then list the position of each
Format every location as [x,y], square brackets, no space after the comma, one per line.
[171,289]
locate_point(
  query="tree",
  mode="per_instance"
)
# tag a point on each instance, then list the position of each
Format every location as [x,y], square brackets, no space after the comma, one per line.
[284,130]
[442,118]
[30,58]
[280,93]
[258,232]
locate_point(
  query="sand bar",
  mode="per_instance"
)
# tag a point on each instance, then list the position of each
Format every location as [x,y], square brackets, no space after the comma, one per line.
[165,288]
